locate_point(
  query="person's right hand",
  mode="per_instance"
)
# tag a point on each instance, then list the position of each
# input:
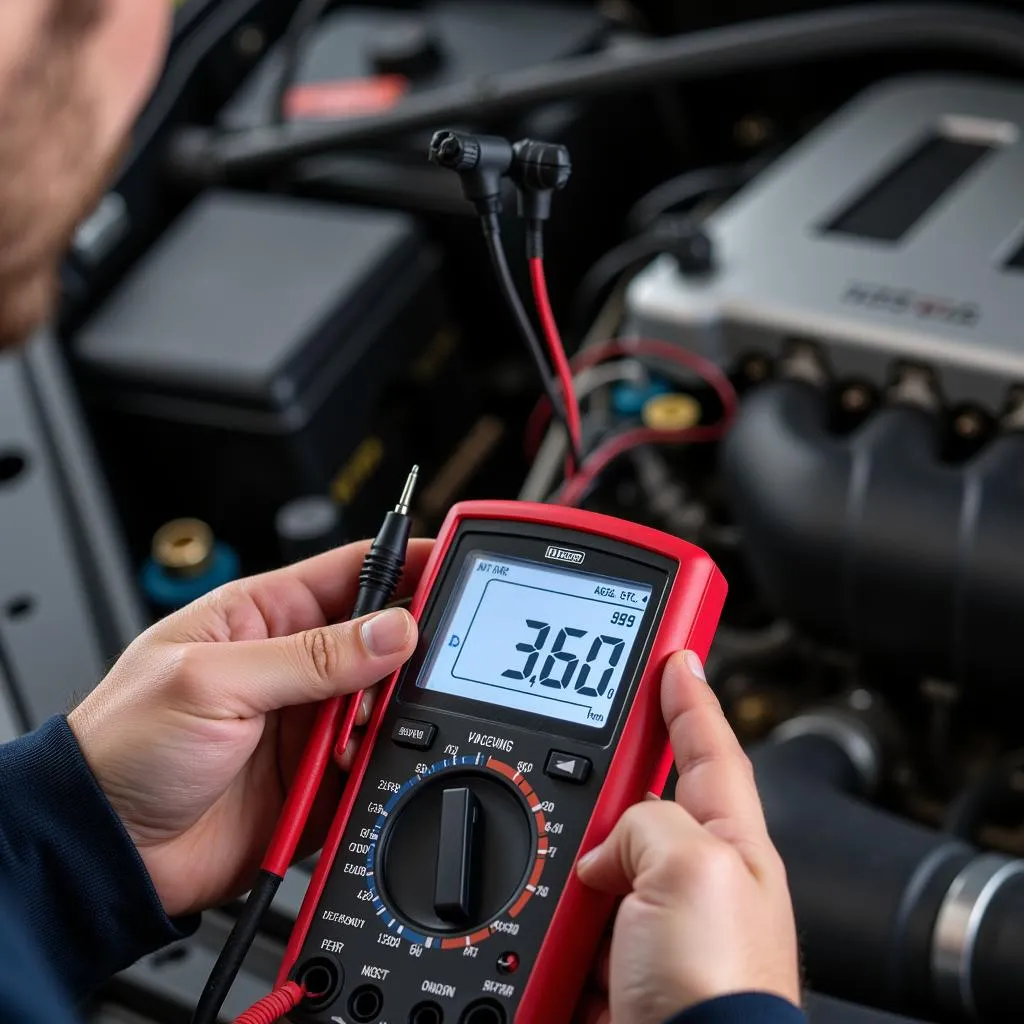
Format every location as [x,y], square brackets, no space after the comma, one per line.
[706,909]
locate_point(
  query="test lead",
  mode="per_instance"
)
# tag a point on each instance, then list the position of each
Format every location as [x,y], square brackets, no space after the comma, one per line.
[382,569]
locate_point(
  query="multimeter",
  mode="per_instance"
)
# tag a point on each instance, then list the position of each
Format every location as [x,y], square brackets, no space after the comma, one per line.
[525,724]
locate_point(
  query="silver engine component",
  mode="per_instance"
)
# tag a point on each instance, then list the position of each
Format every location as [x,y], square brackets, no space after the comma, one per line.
[893,234]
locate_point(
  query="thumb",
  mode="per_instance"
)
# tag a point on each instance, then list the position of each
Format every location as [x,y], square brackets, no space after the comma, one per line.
[656,839]
[253,677]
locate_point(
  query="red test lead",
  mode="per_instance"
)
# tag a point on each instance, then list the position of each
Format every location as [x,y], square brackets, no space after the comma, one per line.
[378,579]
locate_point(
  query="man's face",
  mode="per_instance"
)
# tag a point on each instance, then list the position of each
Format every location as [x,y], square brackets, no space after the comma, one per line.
[73,77]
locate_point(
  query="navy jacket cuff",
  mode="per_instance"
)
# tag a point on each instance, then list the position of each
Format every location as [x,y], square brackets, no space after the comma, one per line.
[742,1008]
[65,854]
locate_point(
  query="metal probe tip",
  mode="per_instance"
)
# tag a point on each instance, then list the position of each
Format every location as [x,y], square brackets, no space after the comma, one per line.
[410,485]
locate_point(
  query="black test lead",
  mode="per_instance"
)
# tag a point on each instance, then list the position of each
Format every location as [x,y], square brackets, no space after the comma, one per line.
[381,571]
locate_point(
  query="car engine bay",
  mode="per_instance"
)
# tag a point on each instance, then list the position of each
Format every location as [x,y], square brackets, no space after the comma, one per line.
[789,267]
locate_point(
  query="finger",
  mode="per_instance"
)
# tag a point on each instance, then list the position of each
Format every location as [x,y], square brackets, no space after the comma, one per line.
[253,677]
[654,839]
[366,703]
[347,757]
[298,597]
[716,784]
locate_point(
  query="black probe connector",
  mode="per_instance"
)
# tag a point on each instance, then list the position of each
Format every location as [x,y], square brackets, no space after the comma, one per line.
[383,564]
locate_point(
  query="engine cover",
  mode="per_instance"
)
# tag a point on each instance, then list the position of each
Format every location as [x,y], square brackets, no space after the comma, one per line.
[893,233]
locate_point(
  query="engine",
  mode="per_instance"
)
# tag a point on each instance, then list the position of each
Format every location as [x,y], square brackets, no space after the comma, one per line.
[790,268]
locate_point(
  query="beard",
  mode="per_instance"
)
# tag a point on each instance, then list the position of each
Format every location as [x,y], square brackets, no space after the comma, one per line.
[52,169]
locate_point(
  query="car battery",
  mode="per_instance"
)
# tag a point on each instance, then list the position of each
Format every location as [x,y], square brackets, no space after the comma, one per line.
[243,360]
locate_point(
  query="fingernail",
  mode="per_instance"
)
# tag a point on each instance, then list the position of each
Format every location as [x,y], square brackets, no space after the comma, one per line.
[693,663]
[587,859]
[386,633]
[364,705]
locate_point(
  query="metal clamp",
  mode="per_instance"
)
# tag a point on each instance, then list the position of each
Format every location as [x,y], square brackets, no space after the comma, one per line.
[957,925]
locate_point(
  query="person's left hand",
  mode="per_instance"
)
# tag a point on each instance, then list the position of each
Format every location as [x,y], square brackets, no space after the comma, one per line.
[195,734]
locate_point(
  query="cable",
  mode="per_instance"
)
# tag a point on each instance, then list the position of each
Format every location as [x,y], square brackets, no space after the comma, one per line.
[273,1008]
[665,351]
[381,571]
[209,156]
[492,236]
[680,235]
[543,474]
[304,20]
[626,258]
[576,489]
[549,327]
[688,188]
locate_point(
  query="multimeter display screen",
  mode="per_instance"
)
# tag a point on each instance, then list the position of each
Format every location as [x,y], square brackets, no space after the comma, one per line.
[549,641]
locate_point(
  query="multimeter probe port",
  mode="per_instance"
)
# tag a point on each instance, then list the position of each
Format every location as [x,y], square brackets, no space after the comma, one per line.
[484,1011]
[426,1013]
[365,1004]
[321,977]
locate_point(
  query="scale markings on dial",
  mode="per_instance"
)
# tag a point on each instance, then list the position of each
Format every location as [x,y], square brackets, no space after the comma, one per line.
[485,765]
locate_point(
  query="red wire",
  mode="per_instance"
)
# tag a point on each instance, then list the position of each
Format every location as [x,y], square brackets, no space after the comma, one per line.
[577,487]
[273,1007]
[549,326]
[315,758]
[653,348]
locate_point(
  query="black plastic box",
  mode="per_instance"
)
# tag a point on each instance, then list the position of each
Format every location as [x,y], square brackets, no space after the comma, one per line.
[240,363]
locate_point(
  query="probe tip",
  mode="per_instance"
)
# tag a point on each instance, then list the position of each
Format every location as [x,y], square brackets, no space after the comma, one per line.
[410,485]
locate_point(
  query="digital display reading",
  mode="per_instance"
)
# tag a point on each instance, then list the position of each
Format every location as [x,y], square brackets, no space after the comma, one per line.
[554,642]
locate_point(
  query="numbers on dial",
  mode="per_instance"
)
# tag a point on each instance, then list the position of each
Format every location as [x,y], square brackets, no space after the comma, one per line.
[531,650]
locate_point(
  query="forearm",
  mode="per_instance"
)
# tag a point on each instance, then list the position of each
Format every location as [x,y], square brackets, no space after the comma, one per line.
[85,894]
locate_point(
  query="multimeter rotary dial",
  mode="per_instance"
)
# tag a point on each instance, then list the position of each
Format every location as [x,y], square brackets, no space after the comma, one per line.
[457,848]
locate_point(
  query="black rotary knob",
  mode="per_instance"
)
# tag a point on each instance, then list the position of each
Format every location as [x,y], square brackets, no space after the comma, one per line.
[456,852]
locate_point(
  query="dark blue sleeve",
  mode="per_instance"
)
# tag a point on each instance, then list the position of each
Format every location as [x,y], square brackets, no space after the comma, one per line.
[29,992]
[84,893]
[743,1008]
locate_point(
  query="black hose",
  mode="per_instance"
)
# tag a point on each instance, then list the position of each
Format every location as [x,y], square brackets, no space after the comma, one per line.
[889,913]
[688,188]
[871,542]
[208,156]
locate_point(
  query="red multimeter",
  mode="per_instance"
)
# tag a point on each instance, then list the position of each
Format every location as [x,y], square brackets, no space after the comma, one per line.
[526,723]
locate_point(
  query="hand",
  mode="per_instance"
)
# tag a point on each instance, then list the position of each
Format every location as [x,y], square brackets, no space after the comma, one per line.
[197,731]
[706,909]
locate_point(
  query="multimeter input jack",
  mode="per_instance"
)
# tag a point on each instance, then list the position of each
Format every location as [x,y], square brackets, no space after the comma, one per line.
[321,977]
[426,1013]
[484,1011]
[365,1004]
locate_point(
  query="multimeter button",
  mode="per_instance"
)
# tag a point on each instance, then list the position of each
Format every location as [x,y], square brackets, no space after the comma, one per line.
[418,735]
[570,767]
